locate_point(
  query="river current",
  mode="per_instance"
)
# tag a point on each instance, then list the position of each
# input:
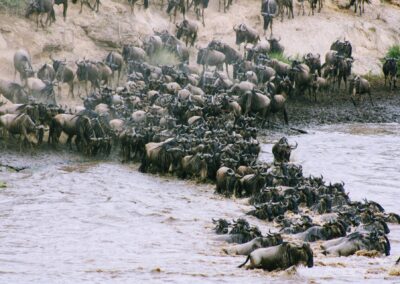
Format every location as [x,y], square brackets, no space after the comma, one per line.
[71,220]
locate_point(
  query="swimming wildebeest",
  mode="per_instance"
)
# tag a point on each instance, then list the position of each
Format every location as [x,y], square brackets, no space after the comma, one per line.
[280,257]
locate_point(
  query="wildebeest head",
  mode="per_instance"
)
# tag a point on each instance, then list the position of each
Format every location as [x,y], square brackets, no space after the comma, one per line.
[276,46]
[241,33]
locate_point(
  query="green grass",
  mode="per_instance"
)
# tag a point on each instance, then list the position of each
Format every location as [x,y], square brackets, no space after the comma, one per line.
[282,57]
[164,57]
[14,7]
[394,52]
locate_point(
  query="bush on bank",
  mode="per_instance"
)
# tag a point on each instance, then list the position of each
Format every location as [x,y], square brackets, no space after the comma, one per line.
[15,7]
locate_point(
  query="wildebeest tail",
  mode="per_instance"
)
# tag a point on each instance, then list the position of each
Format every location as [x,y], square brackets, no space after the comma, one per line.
[244,263]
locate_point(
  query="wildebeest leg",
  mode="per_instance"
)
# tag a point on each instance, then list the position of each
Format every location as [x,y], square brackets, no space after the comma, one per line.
[285,116]
[370,98]
[71,89]
[80,12]
[65,8]
[202,16]
[59,89]
[86,88]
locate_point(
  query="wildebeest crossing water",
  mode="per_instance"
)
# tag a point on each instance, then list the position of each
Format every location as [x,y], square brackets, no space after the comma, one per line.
[70,219]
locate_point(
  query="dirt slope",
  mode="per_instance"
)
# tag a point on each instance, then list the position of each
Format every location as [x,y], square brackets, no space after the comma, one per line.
[92,35]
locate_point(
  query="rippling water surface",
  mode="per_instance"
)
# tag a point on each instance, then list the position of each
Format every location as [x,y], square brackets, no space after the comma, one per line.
[67,220]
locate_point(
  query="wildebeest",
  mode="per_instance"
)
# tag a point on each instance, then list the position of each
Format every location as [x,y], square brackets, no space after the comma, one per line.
[259,242]
[208,57]
[225,3]
[188,30]
[41,91]
[342,47]
[23,65]
[282,150]
[280,257]
[199,6]
[390,70]
[359,86]
[288,4]
[64,74]
[275,45]
[40,8]
[65,7]
[269,10]
[130,52]
[232,56]
[313,62]
[94,7]
[72,125]
[13,92]
[174,6]
[46,73]
[115,61]
[245,34]
[152,45]
[20,124]
[88,72]
[356,241]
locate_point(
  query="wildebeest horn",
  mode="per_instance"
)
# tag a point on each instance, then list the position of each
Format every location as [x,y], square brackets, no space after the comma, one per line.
[235,28]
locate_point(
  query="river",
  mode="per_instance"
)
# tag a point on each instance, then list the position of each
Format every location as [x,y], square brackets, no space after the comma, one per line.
[71,220]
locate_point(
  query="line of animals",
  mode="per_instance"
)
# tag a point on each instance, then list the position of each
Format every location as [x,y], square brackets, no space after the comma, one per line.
[282,196]
[201,132]
[200,124]
[270,9]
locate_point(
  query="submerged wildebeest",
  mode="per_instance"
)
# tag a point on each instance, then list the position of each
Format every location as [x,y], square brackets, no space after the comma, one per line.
[281,256]
[256,243]
[23,65]
[357,241]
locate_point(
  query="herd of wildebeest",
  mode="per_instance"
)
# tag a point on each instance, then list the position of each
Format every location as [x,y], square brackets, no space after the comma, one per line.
[196,122]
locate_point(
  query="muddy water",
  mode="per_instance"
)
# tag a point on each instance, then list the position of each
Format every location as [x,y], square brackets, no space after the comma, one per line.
[68,220]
